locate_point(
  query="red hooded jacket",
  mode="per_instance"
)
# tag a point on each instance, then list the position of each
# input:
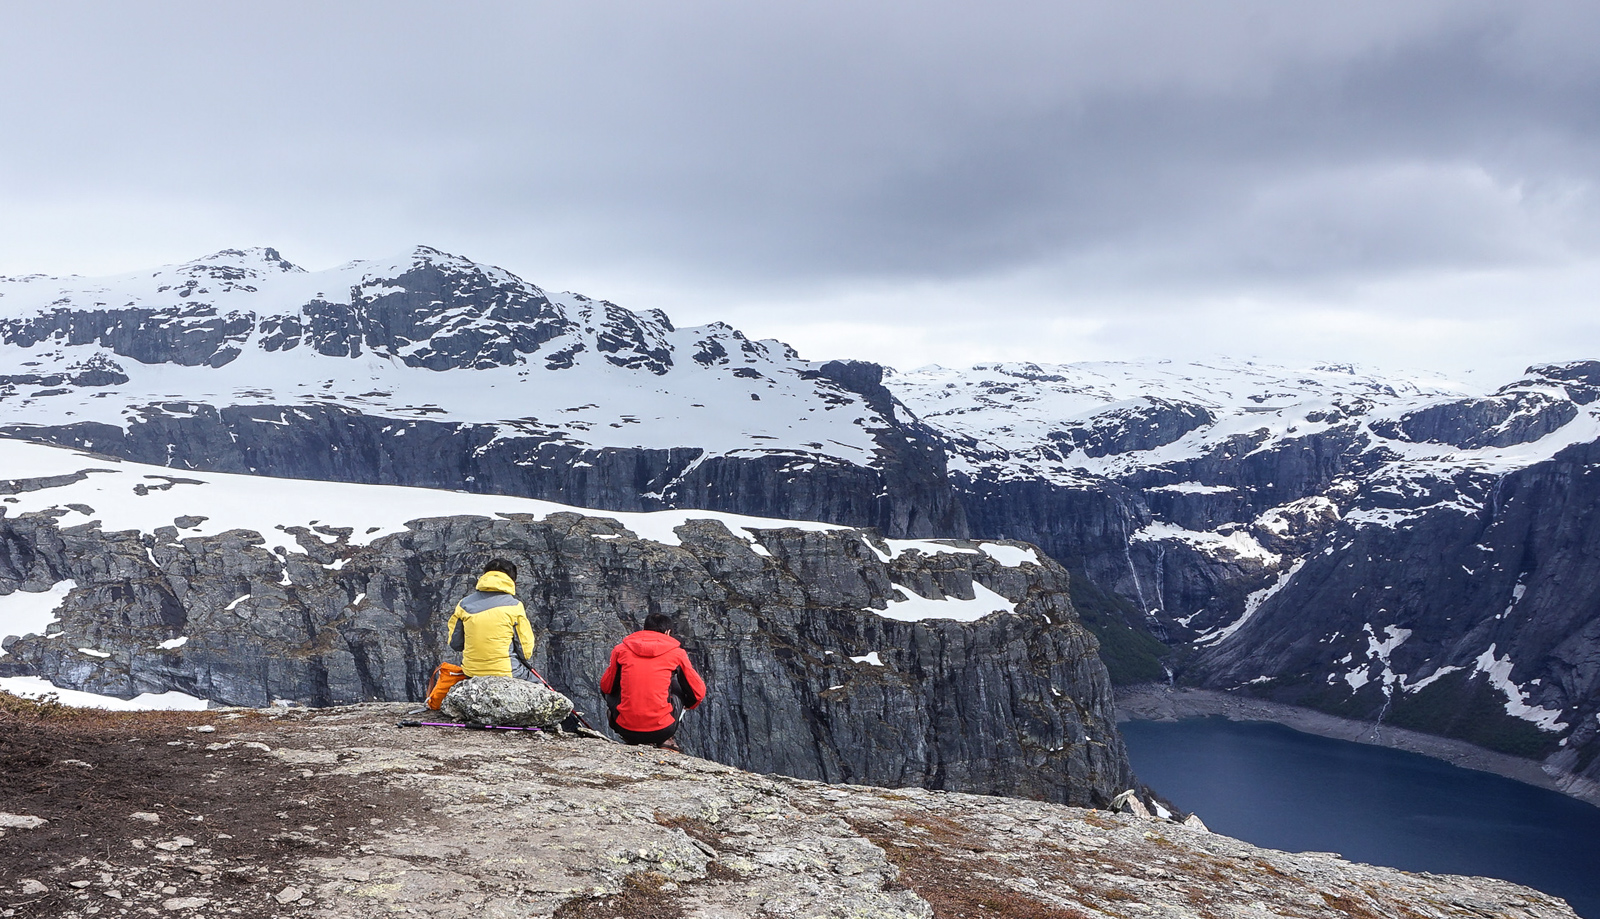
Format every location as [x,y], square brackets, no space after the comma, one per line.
[646,672]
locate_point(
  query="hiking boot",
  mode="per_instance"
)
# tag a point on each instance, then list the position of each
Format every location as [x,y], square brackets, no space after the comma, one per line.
[670,744]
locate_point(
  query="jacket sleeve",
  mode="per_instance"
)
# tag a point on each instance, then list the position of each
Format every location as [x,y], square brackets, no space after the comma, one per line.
[523,633]
[457,632]
[686,684]
[611,684]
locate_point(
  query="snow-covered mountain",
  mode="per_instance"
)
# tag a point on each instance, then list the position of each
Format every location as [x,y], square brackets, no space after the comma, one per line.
[434,370]
[1126,420]
[247,328]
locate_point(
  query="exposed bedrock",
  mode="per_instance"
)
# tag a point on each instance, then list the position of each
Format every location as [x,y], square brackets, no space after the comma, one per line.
[1016,703]
[1067,522]
[1263,475]
[1088,528]
[1498,421]
[1143,425]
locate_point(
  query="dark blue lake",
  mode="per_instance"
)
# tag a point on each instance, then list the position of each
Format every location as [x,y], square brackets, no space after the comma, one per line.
[1279,788]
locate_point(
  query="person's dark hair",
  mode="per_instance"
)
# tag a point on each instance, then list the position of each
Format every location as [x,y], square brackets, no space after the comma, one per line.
[658,622]
[502,566]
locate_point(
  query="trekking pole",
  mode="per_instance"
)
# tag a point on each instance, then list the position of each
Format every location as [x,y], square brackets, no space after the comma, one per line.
[581,720]
[469,726]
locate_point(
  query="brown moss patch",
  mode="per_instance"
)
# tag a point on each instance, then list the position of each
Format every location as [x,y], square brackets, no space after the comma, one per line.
[642,897]
[1094,819]
[1350,906]
[250,816]
[693,827]
[955,894]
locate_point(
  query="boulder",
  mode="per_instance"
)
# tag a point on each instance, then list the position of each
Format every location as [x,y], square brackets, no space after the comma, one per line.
[1128,803]
[505,701]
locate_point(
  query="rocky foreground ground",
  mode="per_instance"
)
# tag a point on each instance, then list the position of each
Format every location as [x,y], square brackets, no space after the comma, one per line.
[340,813]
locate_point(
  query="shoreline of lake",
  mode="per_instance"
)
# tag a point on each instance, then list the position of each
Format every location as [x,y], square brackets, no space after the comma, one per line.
[1159,702]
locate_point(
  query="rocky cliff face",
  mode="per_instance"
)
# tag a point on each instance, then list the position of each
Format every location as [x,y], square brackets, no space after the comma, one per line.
[1474,620]
[832,653]
[338,813]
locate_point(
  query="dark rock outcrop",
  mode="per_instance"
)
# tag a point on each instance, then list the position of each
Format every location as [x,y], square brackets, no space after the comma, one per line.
[1499,421]
[904,494]
[1145,425]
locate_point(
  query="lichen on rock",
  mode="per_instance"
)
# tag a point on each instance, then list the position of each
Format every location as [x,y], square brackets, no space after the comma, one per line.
[506,701]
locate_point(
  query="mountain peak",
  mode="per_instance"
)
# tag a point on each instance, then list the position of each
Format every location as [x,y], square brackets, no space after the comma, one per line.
[252,258]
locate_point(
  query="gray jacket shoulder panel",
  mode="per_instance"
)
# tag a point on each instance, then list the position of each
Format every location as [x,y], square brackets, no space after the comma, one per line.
[480,600]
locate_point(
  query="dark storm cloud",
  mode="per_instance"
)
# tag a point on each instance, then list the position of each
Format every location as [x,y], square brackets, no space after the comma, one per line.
[1147,154]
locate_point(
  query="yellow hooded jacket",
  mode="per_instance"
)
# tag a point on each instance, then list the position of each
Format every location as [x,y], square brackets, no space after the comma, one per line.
[491,629]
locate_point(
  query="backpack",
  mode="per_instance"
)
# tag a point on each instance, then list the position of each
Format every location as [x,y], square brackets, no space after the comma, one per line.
[444,677]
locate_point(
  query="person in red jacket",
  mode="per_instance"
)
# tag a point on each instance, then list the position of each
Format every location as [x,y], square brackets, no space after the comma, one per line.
[648,678]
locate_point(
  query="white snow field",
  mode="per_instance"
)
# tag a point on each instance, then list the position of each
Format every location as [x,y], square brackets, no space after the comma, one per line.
[32,687]
[26,613]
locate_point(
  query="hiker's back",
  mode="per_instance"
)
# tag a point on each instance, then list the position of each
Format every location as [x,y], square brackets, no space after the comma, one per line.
[490,627]
[648,682]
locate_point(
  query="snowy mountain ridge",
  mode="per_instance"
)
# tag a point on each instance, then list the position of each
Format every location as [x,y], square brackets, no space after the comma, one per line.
[1063,422]
[386,337]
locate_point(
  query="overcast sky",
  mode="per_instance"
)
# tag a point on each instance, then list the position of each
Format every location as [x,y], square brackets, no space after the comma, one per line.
[1407,184]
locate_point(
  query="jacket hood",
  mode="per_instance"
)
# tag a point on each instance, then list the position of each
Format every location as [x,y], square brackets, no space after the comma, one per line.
[497,582]
[646,643]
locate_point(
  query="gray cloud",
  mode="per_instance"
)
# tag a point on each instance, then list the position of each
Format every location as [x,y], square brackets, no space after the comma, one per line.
[804,165]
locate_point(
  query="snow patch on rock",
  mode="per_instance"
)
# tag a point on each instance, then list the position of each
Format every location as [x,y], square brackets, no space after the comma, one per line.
[32,687]
[1252,603]
[913,607]
[31,613]
[1498,671]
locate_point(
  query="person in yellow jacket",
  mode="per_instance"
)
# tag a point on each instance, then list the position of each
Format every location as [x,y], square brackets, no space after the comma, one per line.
[490,628]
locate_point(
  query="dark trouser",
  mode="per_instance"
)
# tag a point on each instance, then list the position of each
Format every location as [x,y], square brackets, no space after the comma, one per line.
[637,738]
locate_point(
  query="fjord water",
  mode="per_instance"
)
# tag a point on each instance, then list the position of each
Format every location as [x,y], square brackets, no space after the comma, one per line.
[1281,789]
